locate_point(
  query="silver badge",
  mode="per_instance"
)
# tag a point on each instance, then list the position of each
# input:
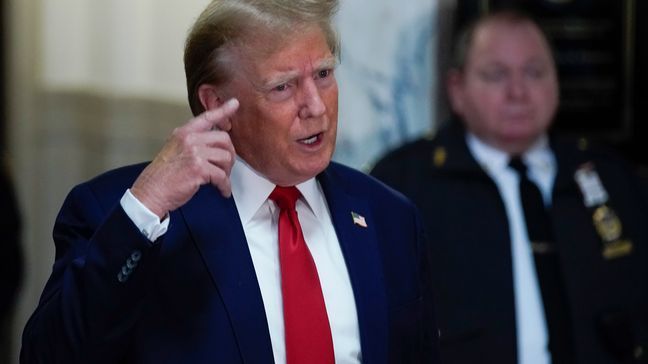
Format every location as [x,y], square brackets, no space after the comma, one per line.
[588,180]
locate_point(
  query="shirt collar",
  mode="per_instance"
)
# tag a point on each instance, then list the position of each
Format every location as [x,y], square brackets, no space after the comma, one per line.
[251,190]
[540,157]
[537,157]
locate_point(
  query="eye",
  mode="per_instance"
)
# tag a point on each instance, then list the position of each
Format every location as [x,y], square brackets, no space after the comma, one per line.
[493,75]
[280,88]
[324,73]
[535,72]
[324,77]
[281,92]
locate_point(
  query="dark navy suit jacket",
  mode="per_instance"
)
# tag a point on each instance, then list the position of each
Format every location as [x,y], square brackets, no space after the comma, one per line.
[193,296]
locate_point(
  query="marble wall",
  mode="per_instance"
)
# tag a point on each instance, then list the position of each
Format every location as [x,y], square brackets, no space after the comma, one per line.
[387,76]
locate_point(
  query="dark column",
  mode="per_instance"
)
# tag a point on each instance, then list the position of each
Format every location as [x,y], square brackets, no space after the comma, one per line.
[3,73]
[639,147]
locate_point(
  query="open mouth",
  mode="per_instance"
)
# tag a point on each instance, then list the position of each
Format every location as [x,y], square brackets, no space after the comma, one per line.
[311,140]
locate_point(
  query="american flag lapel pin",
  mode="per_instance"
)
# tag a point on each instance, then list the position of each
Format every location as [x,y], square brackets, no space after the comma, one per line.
[358,219]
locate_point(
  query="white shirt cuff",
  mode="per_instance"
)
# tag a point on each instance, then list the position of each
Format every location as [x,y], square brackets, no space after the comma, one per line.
[146,221]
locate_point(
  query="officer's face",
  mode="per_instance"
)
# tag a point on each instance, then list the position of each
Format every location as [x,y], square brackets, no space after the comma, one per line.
[507,93]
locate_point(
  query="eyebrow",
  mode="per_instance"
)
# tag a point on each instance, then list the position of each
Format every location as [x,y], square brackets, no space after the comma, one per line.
[271,82]
[330,62]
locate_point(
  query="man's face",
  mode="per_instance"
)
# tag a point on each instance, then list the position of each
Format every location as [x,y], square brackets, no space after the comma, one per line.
[507,93]
[286,125]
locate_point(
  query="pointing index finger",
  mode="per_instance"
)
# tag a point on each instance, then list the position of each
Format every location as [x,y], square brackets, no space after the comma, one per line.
[215,118]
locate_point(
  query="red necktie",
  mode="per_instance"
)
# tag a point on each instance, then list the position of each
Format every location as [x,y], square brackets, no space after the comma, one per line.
[307,330]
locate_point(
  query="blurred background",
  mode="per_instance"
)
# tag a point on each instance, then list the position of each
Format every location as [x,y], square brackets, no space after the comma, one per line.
[89,85]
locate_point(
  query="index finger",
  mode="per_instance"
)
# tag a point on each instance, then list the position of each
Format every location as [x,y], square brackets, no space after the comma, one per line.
[214,117]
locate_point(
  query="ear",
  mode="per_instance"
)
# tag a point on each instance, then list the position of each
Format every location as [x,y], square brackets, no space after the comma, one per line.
[455,88]
[209,96]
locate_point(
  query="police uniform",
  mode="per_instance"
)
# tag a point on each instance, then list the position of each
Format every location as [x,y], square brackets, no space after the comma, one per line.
[601,237]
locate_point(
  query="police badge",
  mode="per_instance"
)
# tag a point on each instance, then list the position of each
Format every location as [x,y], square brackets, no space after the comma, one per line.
[609,228]
[606,221]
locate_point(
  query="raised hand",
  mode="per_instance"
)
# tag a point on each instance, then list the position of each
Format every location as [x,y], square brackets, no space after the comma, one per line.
[195,154]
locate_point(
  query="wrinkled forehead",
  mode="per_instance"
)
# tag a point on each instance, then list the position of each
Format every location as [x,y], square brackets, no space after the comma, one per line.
[282,50]
[261,41]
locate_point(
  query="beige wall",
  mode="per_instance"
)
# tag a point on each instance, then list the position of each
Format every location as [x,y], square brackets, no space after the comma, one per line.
[93,84]
[120,47]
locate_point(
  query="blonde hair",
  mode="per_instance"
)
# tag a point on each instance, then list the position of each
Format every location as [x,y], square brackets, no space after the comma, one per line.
[231,23]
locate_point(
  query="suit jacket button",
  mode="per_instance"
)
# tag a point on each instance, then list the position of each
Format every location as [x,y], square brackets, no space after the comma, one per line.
[136,256]
[126,271]
[131,264]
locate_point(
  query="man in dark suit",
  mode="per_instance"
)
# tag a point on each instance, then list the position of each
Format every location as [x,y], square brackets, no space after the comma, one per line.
[199,256]
[539,245]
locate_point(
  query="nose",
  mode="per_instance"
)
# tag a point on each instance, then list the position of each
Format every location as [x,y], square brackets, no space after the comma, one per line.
[312,104]
[517,88]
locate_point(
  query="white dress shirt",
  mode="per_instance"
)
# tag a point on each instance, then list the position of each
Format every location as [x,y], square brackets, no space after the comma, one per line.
[259,217]
[532,334]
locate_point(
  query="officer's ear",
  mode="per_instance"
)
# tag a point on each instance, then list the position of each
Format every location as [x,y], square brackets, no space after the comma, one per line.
[455,87]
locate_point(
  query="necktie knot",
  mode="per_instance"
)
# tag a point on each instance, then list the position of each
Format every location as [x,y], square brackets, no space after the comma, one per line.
[518,165]
[285,197]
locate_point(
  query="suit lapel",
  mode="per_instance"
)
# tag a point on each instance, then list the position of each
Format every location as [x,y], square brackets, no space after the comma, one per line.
[215,227]
[361,253]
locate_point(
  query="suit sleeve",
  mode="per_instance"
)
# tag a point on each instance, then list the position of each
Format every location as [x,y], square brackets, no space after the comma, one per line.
[92,300]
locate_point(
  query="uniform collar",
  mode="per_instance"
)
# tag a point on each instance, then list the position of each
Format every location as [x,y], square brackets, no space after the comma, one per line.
[538,157]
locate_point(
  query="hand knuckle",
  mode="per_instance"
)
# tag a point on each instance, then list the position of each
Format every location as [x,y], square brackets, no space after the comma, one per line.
[195,160]
[227,156]
[193,151]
